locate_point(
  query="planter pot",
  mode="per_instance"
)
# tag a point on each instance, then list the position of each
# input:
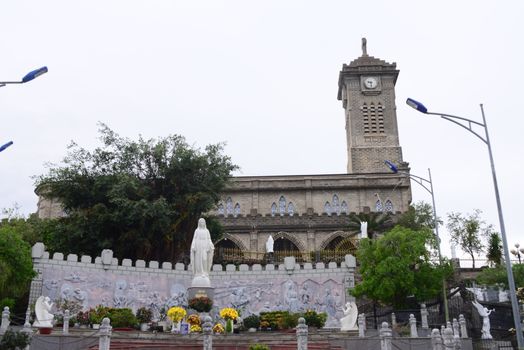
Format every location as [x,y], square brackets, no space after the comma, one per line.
[45,330]
[144,327]
[164,325]
[229,326]
[175,328]
[95,326]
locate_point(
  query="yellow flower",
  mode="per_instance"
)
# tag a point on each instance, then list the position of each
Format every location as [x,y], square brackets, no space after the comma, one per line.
[193,320]
[195,328]
[176,313]
[228,313]
[218,328]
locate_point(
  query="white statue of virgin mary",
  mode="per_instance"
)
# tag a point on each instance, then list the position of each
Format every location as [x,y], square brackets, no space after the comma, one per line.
[202,250]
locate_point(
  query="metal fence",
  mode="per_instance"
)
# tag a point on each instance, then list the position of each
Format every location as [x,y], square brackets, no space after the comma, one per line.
[237,256]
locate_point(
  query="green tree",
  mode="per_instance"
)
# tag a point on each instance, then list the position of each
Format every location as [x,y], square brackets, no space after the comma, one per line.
[467,232]
[398,265]
[494,249]
[140,198]
[377,222]
[16,267]
[498,276]
[419,216]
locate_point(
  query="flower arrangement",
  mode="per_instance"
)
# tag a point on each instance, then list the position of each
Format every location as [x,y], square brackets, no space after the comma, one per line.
[195,328]
[83,317]
[228,313]
[201,304]
[218,328]
[194,320]
[176,313]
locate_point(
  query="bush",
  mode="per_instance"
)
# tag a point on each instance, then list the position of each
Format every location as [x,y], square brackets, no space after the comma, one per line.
[258,347]
[14,340]
[252,321]
[122,318]
[97,314]
[277,319]
[201,304]
[10,302]
[314,319]
[144,315]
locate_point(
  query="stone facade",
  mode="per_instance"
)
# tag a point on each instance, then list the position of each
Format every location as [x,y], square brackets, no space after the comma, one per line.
[309,211]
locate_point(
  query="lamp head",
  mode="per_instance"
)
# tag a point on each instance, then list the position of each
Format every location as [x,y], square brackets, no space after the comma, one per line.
[3,147]
[416,105]
[391,166]
[34,74]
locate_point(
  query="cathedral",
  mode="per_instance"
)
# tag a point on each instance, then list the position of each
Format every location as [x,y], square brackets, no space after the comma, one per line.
[310,213]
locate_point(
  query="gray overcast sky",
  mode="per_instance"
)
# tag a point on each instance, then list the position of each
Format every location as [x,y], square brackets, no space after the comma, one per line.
[262,76]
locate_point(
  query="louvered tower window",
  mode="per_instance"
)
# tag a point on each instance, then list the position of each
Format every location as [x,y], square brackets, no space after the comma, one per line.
[373,116]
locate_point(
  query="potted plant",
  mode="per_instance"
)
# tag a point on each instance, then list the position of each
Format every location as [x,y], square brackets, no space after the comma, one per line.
[176,314]
[230,315]
[97,314]
[122,319]
[252,323]
[144,316]
[83,319]
[218,328]
[201,304]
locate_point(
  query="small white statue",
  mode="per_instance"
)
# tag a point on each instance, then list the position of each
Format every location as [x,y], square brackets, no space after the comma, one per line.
[202,250]
[349,321]
[44,317]
[503,295]
[484,312]
[363,229]
[269,244]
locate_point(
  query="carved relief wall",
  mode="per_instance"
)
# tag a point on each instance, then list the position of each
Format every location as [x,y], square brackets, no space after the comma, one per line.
[252,289]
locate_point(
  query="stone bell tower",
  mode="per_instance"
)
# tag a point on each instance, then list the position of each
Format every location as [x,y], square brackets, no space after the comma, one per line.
[366,88]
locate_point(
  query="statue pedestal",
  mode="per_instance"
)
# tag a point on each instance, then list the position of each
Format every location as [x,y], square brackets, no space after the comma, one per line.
[197,292]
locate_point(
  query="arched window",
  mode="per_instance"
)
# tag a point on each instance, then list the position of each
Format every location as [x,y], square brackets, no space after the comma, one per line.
[290,209]
[327,208]
[229,206]
[220,209]
[388,206]
[344,207]
[282,205]
[336,206]
[378,206]
[273,209]
[237,210]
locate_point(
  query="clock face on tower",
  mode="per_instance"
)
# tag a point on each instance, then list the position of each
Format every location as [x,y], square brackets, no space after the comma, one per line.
[371,83]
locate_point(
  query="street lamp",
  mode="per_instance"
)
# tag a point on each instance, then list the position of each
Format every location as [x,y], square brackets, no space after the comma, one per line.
[468,125]
[28,77]
[425,183]
[517,251]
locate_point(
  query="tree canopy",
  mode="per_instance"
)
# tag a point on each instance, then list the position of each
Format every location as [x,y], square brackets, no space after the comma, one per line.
[16,267]
[398,265]
[142,199]
[467,231]
[498,276]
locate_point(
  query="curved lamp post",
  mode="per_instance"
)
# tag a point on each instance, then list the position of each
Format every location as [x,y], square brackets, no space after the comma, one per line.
[427,184]
[468,125]
[28,77]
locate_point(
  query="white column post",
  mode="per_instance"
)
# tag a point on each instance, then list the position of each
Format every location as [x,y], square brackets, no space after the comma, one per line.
[385,336]
[302,333]
[104,341]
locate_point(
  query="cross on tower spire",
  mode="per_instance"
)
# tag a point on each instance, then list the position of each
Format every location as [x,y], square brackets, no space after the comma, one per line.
[364,47]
